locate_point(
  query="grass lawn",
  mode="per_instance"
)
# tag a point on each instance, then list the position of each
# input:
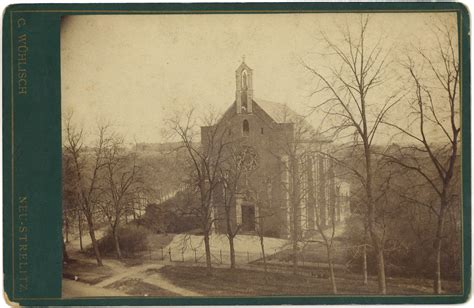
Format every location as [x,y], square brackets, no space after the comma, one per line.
[85,271]
[244,282]
[137,287]
[312,253]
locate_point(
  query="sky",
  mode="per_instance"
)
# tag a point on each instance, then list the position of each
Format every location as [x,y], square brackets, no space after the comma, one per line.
[136,71]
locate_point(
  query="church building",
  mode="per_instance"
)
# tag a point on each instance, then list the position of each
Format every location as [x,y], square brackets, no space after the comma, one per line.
[274,177]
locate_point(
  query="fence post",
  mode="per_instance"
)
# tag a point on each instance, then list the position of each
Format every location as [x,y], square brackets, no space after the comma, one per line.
[195,257]
[162,255]
[220,252]
[169,251]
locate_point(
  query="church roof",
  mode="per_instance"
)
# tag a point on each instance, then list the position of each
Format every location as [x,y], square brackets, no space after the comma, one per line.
[279,112]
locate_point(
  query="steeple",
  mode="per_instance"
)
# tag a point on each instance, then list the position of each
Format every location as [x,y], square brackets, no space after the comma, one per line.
[243,88]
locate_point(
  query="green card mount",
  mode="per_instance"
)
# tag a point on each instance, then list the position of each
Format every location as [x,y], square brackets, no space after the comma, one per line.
[32,201]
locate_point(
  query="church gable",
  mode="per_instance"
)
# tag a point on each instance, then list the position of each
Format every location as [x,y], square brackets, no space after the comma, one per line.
[266,114]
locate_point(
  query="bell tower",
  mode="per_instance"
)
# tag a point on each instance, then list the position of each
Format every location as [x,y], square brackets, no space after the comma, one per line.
[243,88]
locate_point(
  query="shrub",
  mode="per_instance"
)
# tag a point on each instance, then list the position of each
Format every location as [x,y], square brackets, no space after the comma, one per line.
[171,215]
[132,240]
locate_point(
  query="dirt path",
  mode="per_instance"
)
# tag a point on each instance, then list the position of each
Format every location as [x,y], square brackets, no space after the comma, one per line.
[147,273]
[140,272]
[126,272]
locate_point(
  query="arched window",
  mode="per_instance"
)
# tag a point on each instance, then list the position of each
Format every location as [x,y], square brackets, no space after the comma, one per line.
[244,81]
[245,128]
[244,91]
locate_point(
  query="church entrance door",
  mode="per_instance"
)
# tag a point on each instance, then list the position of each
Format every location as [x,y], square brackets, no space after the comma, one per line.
[248,218]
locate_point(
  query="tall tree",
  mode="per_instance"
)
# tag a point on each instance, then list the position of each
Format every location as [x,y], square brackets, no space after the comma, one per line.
[120,185]
[230,176]
[328,234]
[434,125]
[71,199]
[264,212]
[69,195]
[204,158]
[348,85]
[87,171]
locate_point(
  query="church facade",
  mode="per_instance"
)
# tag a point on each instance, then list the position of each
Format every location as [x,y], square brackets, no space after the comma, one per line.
[274,177]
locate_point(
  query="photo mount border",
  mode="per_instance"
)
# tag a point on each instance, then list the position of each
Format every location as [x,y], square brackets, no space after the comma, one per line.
[59,10]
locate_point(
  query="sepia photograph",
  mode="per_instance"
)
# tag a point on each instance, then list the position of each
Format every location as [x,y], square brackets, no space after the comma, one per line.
[248,155]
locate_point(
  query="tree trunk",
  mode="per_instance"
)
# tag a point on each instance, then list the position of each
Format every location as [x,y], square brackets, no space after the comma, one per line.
[67,228]
[381,271]
[208,253]
[295,256]
[79,218]
[65,255]
[295,240]
[95,245]
[230,234]
[295,202]
[437,285]
[331,270]
[262,246]
[117,244]
[371,221]
[437,288]
[364,255]
[378,247]
[232,252]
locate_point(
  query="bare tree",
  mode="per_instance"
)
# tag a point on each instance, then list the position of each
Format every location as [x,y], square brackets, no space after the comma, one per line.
[69,195]
[236,170]
[328,234]
[260,229]
[204,159]
[120,185]
[71,200]
[360,69]
[230,175]
[434,126]
[86,174]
